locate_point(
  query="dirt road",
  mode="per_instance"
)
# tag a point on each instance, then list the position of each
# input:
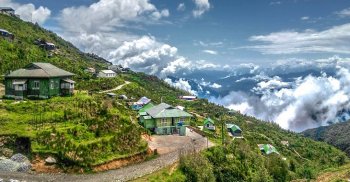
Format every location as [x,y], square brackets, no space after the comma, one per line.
[169,148]
[117,88]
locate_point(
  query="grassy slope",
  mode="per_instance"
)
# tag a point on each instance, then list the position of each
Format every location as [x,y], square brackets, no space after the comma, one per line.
[335,174]
[16,54]
[337,135]
[304,153]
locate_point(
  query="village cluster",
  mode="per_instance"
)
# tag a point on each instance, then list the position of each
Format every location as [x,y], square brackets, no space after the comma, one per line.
[44,81]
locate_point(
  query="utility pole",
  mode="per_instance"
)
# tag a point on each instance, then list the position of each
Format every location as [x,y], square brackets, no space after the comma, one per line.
[222,130]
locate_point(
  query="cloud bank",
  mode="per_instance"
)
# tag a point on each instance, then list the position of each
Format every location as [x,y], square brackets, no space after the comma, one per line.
[333,40]
[299,104]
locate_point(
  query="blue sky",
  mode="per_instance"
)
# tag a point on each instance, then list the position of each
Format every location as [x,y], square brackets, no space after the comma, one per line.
[224,32]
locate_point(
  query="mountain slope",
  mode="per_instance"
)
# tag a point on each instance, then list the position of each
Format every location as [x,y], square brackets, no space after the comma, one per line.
[337,135]
[22,50]
[91,130]
[304,158]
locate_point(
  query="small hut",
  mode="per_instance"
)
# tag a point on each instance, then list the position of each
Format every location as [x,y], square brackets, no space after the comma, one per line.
[267,149]
[209,124]
[122,97]
[234,130]
[111,95]
[140,103]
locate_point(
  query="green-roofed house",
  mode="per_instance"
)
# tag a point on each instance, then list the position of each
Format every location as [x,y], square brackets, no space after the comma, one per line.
[234,130]
[267,149]
[38,80]
[164,119]
[144,119]
[209,124]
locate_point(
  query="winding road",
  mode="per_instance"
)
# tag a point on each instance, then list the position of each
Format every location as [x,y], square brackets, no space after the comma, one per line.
[116,88]
[193,142]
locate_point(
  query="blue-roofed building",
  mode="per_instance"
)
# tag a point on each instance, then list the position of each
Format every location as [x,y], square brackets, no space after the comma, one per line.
[140,103]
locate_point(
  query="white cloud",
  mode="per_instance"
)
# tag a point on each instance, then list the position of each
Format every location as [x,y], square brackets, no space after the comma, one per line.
[212,52]
[215,85]
[201,7]
[181,84]
[181,7]
[158,15]
[108,14]
[333,40]
[305,18]
[343,13]
[28,12]
[208,44]
[146,55]
[274,83]
[98,28]
[302,102]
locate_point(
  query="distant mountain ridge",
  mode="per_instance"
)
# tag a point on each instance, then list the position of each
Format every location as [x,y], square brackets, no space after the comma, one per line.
[337,135]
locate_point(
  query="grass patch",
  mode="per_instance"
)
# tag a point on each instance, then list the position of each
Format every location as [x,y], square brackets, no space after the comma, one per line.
[168,174]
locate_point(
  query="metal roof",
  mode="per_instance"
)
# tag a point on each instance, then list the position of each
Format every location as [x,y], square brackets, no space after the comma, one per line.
[3,30]
[267,148]
[39,70]
[147,106]
[107,71]
[233,127]
[164,110]
[68,80]
[208,120]
[144,100]
[19,82]
[143,113]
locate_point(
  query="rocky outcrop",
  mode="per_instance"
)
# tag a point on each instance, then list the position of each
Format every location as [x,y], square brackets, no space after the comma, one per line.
[17,163]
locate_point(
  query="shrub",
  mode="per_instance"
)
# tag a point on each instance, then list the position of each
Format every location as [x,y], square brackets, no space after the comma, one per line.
[196,168]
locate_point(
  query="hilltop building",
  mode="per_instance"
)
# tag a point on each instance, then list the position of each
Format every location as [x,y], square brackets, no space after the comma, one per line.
[8,11]
[106,74]
[6,34]
[45,45]
[38,80]
[188,98]
[209,124]
[267,149]
[234,130]
[140,103]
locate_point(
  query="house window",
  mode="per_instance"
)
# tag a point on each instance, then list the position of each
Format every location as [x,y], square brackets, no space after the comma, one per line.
[36,85]
[208,125]
[19,87]
[163,122]
[52,84]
